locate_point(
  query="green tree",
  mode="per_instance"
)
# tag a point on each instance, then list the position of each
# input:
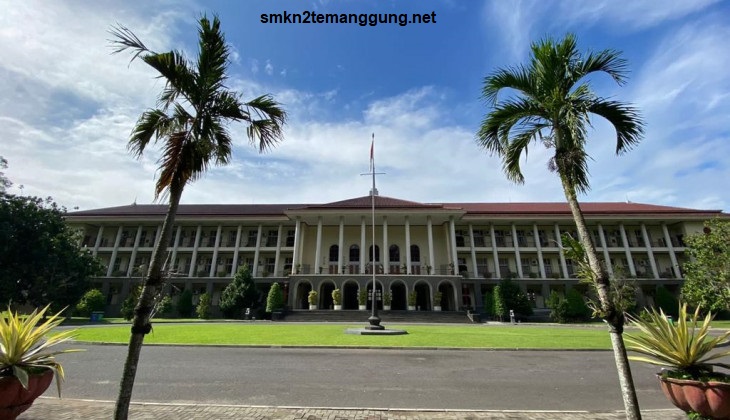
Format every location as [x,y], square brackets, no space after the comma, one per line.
[91,301]
[577,309]
[127,308]
[275,298]
[558,306]
[185,305]
[489,304]
[508,296]
[551,105]
[191,121]
[707,273]
[241,293]
[4,181]
[40,261]
[203,308]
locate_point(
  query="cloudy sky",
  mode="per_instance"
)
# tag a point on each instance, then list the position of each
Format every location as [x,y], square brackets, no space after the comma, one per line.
[67,105]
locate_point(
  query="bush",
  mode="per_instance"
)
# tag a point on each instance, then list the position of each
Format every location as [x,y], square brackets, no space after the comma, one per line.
[275,299]
[203,308]
[164,306]
[508,296]
[127,309]
[240,294]
[666,301]
[578,310]
[91,301]
[558,306]
[185,304]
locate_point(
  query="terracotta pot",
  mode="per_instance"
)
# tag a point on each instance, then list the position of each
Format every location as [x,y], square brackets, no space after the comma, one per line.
[14,399]
[710,399]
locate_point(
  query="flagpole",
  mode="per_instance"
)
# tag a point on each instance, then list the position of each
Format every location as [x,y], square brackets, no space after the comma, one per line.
[374,319]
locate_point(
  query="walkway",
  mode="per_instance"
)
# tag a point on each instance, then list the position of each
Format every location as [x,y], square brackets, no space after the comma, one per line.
[71,409]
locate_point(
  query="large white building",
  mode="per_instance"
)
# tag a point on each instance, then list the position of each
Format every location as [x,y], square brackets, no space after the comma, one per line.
[460,249]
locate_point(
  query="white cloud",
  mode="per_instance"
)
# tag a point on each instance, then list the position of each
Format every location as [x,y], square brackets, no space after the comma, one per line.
[269,68]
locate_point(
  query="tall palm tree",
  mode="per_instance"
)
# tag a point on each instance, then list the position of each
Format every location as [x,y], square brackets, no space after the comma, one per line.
[190,121]
[551,103]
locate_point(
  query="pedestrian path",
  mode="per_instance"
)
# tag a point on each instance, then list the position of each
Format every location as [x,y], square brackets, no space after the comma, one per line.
[46,408]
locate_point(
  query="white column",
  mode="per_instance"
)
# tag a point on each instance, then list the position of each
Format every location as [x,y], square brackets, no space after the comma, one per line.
[475,269]
[495,253]
[214,263]
[408,246]
[194,259]
[559,240]
[452,241]
[341,246]
[429,229]
[538,245]
[363,245]
[518,260]
[173,259]
[606,255]
[649,251]
[386,254]
[99,237]
[277,257]
[672,255]
[234,267]
[318,249]
[257,252]
[627,250]
[133,257]
[114,252]
[296,261]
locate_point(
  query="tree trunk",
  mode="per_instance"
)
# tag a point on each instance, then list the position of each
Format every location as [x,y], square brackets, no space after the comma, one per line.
[614,318]
[141,321]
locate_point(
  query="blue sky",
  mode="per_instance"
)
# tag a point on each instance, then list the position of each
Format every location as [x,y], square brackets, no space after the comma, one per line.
[67,105]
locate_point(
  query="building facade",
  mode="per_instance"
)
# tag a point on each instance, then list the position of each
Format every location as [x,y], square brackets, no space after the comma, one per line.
[459,249]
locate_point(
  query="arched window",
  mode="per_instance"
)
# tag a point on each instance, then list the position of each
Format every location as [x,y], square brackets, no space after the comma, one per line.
[377,253]
[334,253]
[415,253]
[394,253]
[354,253]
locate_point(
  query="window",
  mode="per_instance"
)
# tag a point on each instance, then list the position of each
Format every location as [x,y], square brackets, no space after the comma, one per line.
[504,267]
[479,238]
[499,237]
[521,239]
[639,238]
[377,253]
[272,237]
[525,263]
[394,253]
[547,262]
[288,264]
[543,237]
[231,238]
[415,253]
[289,238]
[571,268]
[334,253]
[354,253]
[460,234]
[251,241]
[211,237]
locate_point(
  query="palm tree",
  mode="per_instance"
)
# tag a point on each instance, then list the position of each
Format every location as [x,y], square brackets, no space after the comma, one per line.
[191,120]
[551,104]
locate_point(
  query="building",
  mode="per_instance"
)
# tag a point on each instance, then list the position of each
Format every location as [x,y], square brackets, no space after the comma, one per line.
[459,249]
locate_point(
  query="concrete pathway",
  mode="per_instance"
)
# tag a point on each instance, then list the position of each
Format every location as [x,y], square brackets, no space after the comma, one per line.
[72,409]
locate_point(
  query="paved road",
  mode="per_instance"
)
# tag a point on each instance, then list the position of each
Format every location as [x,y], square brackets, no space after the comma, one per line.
[404,379]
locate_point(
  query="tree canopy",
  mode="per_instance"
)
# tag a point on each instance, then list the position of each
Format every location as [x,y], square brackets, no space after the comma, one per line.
[707,273]
[40,261]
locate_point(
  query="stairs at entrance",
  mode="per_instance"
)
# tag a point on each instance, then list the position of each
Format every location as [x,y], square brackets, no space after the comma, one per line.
[415,317]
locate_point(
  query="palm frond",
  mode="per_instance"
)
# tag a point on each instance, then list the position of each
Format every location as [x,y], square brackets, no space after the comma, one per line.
[625,119]
[607,61]
[126,39]
[517,78]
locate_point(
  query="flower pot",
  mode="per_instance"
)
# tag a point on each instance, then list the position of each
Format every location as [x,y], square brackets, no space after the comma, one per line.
[14,399]
[709,399]
[437,309]
[386,307]
[362,307]
[338,307]
[312,307]
[411,307]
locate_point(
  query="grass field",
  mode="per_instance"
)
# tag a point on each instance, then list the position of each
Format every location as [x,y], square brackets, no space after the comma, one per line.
[468,336]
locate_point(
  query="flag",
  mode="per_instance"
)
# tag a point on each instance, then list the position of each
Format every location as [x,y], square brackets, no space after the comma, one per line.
[372,155]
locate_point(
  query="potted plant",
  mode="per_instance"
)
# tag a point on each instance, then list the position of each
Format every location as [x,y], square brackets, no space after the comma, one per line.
[387,300]
[428,269]
[437,301]
[362,299]
[313,298]
[689,352]
[404,269]
[337,299]
[412,298]
[27,360]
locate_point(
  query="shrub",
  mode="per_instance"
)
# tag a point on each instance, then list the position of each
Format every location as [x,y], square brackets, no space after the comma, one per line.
[275,299]
[558,306]
[336,297]
[164,306]
[578,310]
[313,297]
[91,301]
[362,296]
[240,294]
[508,296]
[666,301]
[203,308]
[185,304]
[127,309]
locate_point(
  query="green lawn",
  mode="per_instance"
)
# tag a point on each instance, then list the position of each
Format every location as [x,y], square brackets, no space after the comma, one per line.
[468,336]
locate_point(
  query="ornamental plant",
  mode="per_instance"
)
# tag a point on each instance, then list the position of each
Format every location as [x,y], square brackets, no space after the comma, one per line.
[26,345]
